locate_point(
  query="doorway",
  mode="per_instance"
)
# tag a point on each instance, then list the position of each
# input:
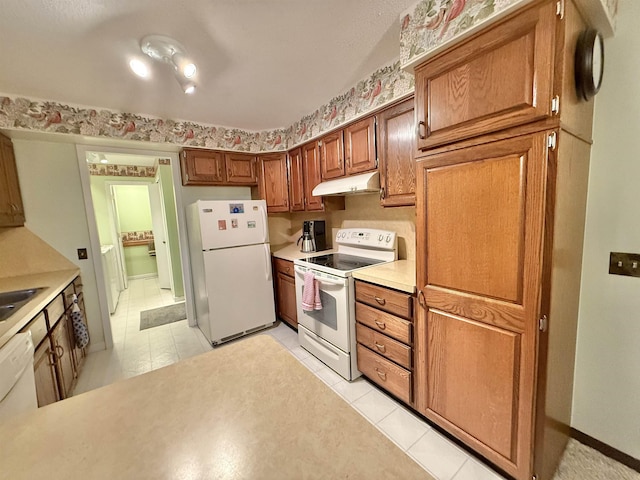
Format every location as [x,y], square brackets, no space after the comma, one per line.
[119,184]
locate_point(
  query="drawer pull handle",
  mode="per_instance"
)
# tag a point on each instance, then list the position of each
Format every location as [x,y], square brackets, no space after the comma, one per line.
[382,348]
[381,325]
[52,358]
[59,351]
[422,127]
[381,301]
[382,375]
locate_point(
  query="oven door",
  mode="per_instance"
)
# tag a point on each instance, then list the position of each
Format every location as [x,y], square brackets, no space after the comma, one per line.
[332,321]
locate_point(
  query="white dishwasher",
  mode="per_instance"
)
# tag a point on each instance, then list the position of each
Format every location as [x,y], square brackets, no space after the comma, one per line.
[17,380]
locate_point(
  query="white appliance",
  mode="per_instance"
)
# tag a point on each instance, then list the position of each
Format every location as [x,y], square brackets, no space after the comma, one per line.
[231,267]
[110,270]
[330,333]
[17,379]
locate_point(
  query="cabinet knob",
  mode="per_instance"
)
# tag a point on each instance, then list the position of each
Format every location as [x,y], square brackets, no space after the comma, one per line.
[421,300]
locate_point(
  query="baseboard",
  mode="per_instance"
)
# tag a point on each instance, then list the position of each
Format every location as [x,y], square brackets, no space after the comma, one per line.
[144,275]
[96,347]
[607,450]
[178,299]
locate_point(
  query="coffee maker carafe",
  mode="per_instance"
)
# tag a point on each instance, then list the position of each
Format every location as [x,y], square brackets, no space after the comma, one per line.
[313,236]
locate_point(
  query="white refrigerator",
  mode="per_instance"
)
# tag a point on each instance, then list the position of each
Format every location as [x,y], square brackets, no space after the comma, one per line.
[231,267]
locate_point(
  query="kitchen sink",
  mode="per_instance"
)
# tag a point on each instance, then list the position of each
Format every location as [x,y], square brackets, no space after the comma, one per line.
[11,302]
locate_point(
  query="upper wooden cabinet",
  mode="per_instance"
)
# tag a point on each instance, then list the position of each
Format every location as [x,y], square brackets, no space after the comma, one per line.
[360,146]
[296,181]
[11,207]
[498,79]
[311,175]
[210,167]
[332,155]
[396,146]
[274,182]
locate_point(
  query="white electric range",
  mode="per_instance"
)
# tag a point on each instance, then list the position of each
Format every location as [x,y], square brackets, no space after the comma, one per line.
[329,333]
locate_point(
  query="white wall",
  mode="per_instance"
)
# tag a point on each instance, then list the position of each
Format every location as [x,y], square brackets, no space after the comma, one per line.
[607,381]
[54,209]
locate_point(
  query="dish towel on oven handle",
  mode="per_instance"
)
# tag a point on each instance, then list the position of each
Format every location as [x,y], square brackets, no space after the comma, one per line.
[311,293]
[80,331]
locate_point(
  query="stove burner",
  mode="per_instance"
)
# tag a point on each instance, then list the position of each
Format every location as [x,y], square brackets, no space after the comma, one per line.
[341,261]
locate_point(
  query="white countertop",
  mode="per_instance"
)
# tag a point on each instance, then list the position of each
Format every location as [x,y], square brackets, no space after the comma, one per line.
[400,275]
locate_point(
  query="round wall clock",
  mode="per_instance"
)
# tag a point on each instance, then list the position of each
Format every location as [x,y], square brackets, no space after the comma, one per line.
[589,63]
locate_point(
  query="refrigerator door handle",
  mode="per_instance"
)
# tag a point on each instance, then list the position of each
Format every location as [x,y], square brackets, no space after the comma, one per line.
[267,270]
[264,224]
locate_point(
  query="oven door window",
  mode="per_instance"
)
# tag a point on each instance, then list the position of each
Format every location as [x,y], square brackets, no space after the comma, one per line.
[328,315]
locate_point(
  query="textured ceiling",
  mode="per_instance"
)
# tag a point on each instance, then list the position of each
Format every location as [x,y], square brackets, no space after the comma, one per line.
[262,64]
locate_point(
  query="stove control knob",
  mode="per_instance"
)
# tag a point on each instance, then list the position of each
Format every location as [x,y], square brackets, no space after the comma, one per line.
[388,239]
[380,237]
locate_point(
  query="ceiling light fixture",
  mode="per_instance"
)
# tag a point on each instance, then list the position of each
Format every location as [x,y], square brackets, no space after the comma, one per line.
[167,50]
[139,68]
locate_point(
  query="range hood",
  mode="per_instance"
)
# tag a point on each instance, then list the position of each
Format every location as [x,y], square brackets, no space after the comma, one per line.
[364,183]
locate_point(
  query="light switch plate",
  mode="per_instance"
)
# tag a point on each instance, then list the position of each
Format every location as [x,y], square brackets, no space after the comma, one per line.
[82,254]
[627,264]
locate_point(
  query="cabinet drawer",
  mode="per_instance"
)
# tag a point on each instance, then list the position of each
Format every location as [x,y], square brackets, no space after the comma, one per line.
[391,301]
[77,285]
[379,343]
[283,266]
[38,327]
[383,322]
[388,375]
[55,310]
[68,295]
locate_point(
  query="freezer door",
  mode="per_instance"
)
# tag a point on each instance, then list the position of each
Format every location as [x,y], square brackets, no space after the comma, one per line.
[232,223]
[239,289]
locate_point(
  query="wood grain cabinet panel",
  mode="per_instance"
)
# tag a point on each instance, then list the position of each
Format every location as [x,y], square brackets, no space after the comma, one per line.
[385,373]
[498,79]
[286,305]
[296,181]
[473,379]
[360,146]
[383,345]
[332,155]
[384,322]
[11,206]
[202,167]
[312,176]
[44,369]
[63,342]
[392,301]
[274,186]
[396,147]
[241,169]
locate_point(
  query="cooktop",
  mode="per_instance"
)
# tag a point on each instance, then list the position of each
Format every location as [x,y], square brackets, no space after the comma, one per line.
[341,261]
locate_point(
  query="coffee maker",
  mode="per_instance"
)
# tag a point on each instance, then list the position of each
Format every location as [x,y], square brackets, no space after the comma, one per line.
[313,236]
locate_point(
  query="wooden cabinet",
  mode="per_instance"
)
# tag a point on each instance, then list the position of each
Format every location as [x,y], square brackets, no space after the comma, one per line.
[286,291]
[45,373]
[384,332]
[501,197]
[210,167]
[360,146]
[312,176]
[273,182]
[332,155]
[296,181]
[498,79]
[11,208]
[241,169]
[58,360]
[396,147]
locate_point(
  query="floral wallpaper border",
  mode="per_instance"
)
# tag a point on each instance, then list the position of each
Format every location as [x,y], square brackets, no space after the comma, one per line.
[141,235]
[383,86]
[113,170]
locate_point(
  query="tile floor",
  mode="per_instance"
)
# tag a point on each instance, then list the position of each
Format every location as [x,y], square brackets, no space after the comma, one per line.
[136,352]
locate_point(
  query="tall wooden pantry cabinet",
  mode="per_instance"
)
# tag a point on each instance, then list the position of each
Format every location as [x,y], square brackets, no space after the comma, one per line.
[503,159]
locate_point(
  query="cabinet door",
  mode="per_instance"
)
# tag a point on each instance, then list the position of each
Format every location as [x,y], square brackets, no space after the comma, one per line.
[44,369]
[11,208]
[311,175]
[63,348]
[274,182]
[296,182]
[396,146]
[202,167]
[286,299]
[360,146]
[498,79]
[332,156]
[241,169]
[481,212]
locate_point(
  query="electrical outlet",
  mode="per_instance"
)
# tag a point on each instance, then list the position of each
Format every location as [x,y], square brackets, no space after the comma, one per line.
[82,254]
[627,264]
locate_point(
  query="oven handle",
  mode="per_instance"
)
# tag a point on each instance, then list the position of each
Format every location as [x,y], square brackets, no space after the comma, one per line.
[320,279]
